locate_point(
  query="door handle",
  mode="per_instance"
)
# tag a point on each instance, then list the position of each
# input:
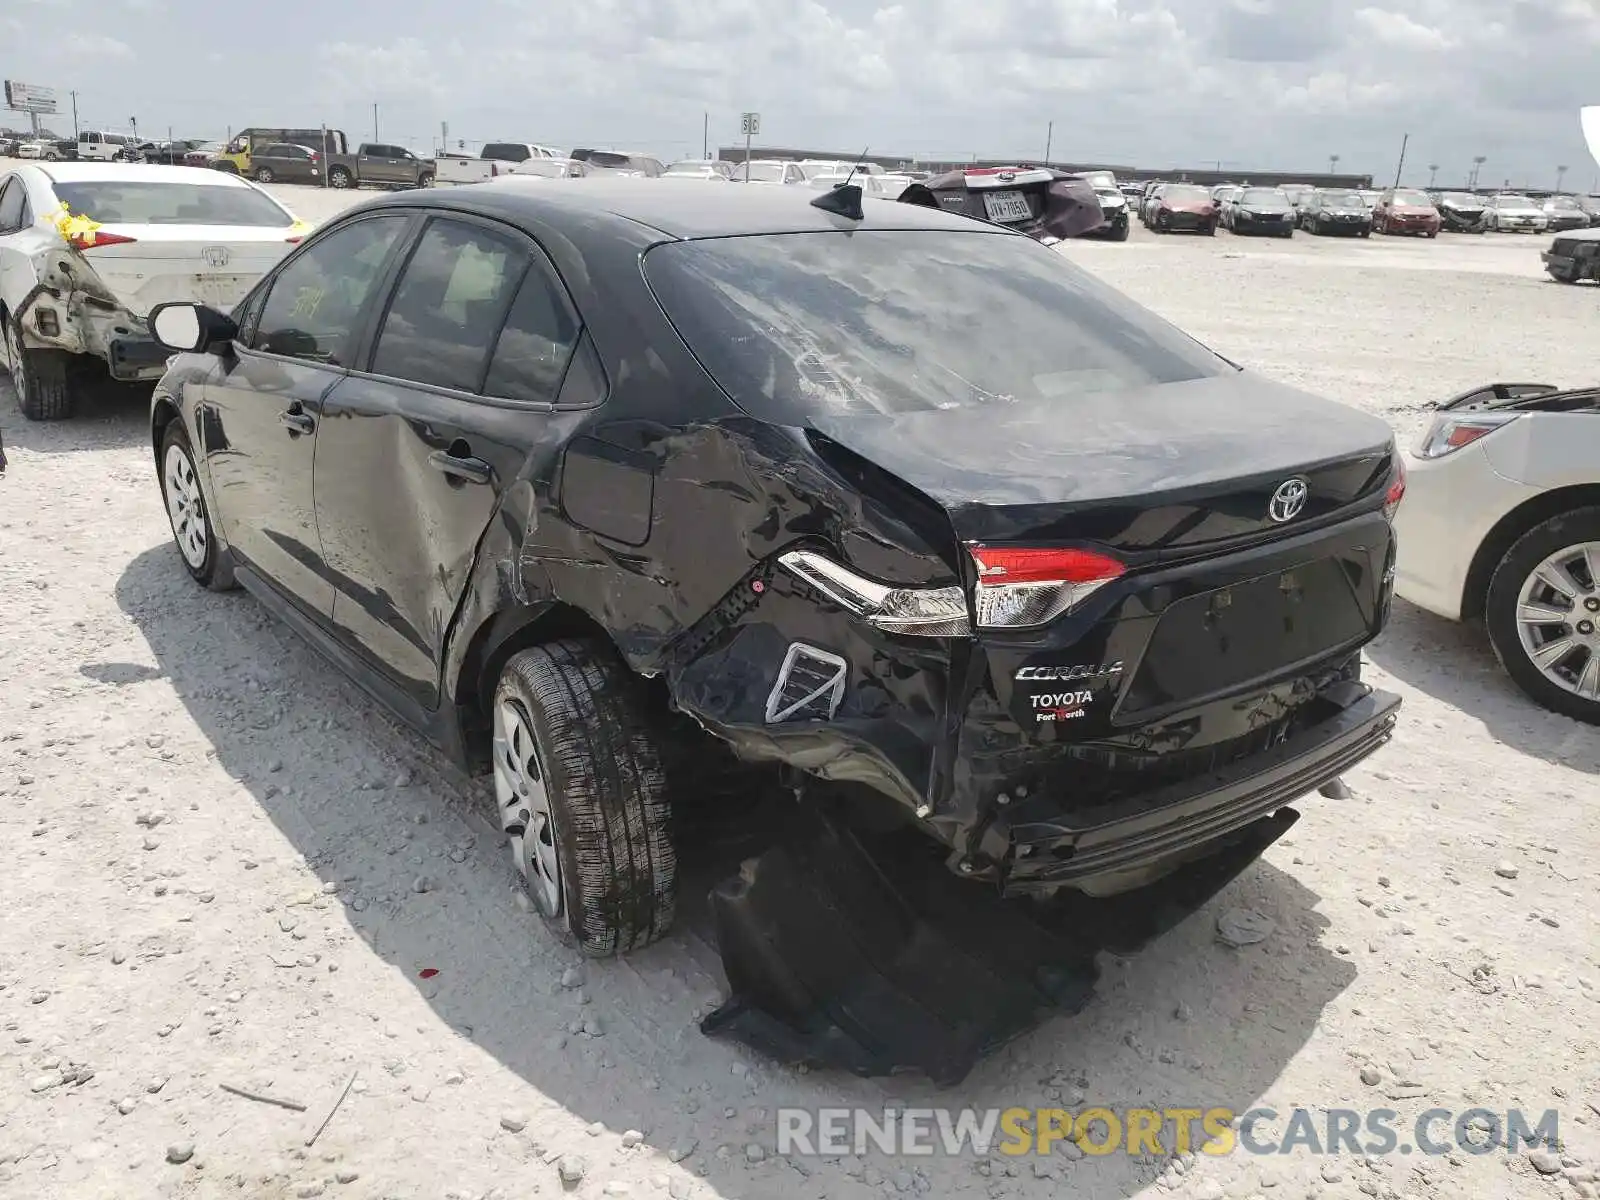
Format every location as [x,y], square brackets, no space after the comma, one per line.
[295,421]
[468,470]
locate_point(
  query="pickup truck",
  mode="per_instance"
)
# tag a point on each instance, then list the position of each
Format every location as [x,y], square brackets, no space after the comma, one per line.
[381,164]
[496,158]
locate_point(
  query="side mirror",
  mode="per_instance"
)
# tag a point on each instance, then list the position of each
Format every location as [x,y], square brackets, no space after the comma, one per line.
[190,328]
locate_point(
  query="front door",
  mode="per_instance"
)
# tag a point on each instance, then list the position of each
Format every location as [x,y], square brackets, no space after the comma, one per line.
[413,454]
[261,415]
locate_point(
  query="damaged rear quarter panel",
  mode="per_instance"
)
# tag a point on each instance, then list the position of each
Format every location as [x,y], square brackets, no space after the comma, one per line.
[690,591]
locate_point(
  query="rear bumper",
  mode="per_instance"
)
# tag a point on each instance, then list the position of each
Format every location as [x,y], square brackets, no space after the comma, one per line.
[136,359]
[1040,849]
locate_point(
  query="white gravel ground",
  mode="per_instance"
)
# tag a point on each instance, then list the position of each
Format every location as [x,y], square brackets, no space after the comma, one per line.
[215,842]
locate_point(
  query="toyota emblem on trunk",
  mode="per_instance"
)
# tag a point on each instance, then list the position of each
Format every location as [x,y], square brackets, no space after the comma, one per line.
[215,256]
[1288,500]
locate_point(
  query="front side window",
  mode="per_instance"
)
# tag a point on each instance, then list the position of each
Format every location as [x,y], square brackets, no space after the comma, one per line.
[887,322]
[449,305]
[319,300]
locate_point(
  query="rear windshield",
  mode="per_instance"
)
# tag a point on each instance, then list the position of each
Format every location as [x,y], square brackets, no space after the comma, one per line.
[609,159]
[800,324]
[505,152]
[130,203]
[762,173]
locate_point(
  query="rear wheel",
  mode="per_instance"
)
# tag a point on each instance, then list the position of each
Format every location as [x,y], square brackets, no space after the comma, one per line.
[425,180]
[40,378]
[583,795]
[1120,233]
[264,175]
[340,177]
[1543,613]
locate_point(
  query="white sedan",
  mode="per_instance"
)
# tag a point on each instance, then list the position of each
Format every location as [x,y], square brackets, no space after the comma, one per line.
[88,249]
[1501,521]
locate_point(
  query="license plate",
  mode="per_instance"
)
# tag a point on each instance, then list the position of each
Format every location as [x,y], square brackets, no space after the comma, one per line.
[1006,206]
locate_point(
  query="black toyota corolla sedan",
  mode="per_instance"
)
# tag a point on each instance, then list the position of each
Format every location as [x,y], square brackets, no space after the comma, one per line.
[897,498]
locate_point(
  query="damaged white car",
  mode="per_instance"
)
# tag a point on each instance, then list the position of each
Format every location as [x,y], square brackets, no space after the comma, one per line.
[87,250]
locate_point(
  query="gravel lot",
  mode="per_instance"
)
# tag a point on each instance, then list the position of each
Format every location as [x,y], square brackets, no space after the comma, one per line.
[228,868]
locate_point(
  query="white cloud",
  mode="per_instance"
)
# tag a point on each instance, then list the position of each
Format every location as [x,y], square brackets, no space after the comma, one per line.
[1397,29]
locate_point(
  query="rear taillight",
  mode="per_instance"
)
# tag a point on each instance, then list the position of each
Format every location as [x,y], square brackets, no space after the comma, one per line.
[1450,431]
[1019,586]
[916,611]
[1397,489]
[93,239]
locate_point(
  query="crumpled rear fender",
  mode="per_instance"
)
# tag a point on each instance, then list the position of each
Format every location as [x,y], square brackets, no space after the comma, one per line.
[87,315]
[694,594]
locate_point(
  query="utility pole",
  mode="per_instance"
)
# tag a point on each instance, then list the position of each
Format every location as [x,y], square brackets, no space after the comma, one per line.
[1561,173]
[74,96]
[374,122]
[1477,165]
[1433,171]
[1401,165]
[705,136]
[1049,136]
[1333,164]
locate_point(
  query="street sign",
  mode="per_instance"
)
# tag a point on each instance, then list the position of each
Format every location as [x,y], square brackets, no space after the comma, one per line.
[29,97]
[749,123]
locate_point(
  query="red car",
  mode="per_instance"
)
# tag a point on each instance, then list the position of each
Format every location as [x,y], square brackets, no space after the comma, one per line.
[1178,206]
[1406,210]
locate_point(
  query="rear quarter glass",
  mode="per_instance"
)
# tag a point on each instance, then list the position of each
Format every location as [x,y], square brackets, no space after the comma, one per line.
[885,322]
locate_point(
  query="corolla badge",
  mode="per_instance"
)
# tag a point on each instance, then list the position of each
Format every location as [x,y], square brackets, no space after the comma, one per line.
[215,256]
[1006,176]
[1288,500]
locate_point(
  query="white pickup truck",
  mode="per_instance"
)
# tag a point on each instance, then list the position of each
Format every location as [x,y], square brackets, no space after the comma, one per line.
[496,158]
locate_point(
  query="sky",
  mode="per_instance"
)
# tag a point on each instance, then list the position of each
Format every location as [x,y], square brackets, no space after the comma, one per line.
[1282,84]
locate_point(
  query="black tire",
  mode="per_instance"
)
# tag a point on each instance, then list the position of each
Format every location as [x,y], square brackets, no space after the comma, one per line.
[340,177]
[1120,234]
[41,379]
[1500,609]
[425,180]
[215,571]
[595,751]
[1211,229]
[263,175]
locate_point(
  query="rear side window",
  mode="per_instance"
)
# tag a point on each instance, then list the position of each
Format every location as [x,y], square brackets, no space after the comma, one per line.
[449,305]
[505,152]
[12,199]
[885,322]
[537,341]
[151,203]
[320,299]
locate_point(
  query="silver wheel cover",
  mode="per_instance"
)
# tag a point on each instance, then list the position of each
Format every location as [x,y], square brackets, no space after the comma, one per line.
[185,507]
[1558,619]
[525,812]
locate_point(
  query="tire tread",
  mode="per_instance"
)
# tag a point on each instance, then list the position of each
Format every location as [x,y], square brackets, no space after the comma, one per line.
[609,791]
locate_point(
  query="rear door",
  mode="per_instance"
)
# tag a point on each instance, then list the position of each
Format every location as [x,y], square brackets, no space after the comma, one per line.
[259,418]
[415,452]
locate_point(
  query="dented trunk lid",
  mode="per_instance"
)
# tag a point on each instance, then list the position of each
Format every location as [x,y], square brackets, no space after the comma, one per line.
[1170,467]
[212,265]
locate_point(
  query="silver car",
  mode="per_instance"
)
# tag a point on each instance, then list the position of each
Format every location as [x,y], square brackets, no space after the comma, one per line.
[1510,212]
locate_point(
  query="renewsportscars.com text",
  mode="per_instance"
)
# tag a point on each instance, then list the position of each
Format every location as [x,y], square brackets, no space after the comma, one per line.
[1159,1131]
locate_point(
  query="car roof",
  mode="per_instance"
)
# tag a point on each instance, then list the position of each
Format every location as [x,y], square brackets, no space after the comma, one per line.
[88,172]
[675,211]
